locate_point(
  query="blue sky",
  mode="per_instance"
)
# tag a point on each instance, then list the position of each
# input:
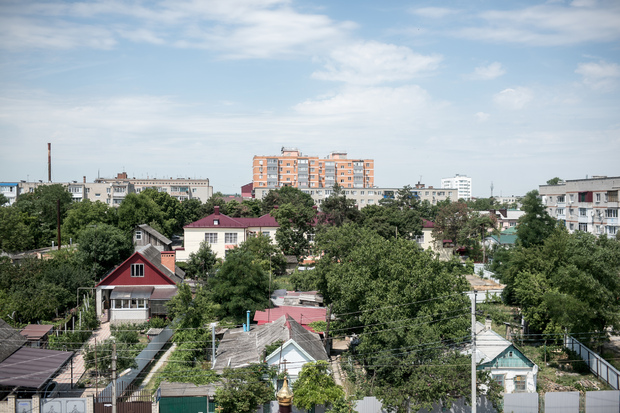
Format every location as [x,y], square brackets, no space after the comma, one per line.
[510,92]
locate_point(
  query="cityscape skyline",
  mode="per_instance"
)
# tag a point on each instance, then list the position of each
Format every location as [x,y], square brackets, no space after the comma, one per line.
[511,94]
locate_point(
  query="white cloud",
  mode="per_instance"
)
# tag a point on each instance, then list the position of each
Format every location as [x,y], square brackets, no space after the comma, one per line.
[601,76]
[515,98]
[482,117]
[370,63]
[433,12]
[549,24]
[491,71]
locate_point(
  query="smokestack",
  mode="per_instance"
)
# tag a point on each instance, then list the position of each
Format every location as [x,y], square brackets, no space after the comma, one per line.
[49,162]
[84,178]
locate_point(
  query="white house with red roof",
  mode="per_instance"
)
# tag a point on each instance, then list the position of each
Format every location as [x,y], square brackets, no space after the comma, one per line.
[224,233]
[427,240]
[139,288]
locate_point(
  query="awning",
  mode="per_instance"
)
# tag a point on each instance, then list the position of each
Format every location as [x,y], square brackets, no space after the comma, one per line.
[126,293]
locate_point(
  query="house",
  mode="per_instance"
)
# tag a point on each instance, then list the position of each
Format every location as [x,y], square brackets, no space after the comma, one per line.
[25,369]
[302,315]
[139,288]
[145,234]
[427,240]
[506,218]
[299,346]
[506,238]
[506,364]
[224,233]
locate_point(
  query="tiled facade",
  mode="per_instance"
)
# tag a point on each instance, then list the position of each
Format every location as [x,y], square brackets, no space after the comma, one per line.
[292,168]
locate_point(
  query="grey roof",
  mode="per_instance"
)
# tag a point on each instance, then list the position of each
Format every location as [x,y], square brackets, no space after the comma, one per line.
[10,340]
[31,367]
[156,234]
[154,256]
[239,348]
[173,389]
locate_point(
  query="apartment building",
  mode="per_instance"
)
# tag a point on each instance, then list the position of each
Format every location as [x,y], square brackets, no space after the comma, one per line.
[10,190]
[292,168]
[372,196]
[589,205]
[460,182]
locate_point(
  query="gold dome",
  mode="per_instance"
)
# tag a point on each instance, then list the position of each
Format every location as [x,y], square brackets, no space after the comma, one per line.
[285,395]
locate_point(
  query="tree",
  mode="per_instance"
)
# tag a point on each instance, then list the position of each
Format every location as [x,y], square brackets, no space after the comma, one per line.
[192,210]
[295,224]
[554,181]
[84,214]
[316,386]
[3,200]
[217,199]
[103,246]
[41,206]
[240,285]
[244,389]
[265,253]
[172,213]
[139,209]
[536,224]
[286,195]
[201,262]
[450,222]
[337,210]
[15,234]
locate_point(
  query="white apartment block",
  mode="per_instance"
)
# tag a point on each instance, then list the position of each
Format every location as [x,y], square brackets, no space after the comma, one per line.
[461,182]
[372,196]
[10,190]
[589,205]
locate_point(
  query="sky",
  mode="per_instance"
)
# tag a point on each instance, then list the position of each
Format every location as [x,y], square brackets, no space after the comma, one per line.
[509,93]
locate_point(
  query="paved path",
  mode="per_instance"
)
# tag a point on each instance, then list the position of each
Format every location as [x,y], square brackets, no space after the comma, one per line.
[66,376]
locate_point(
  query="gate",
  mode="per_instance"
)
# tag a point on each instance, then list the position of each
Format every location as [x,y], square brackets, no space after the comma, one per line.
[186,405]
[131,400]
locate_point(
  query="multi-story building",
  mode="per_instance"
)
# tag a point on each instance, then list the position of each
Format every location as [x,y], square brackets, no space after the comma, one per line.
[10,190]
[112,191]
[372,196]
[460,182]
[589,205]
[292,168]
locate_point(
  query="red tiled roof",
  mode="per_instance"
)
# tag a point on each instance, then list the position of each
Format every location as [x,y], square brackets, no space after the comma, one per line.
[303,315]
[228,222]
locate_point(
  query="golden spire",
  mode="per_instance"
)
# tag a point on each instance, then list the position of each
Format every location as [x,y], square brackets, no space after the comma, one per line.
[285,395]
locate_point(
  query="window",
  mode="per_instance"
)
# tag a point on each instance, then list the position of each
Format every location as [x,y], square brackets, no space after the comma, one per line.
[560,211]
[108,190]
[138,235]
[598,197]
[612,196]
[611,230]
[211,237]
[265,233]
[582,212]
[611,213]
[310,237]
[216,222]
[137,270]
[520,383]
[419,239]
[583,227]
[500,379]
[230,238]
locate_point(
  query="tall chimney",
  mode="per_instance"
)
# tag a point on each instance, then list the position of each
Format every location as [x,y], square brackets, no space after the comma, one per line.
[168,259]
[216,210]
[84,178]
[49,162]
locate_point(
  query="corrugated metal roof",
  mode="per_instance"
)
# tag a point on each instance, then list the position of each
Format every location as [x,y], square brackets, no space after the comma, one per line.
[31,367]
[125,293]
[10,340]
[36,331]
[187,389]
[163,293]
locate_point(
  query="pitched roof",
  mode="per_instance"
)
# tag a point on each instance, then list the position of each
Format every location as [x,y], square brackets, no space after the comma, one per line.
[228,222]
[302,315]
[490,345]
[155,233]
[154,256]
[427,224]
[36,331]
[10,340]
[307,340]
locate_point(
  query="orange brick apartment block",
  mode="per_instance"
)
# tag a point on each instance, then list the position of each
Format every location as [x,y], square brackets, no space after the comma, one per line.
[294,169]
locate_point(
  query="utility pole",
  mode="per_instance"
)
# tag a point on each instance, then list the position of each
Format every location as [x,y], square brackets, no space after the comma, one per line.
[212,345]
[114,377]
[473,353]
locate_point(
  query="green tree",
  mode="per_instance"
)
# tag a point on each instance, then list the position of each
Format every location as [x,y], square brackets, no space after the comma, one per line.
[286,195]
[15,234]
[172,213]
[554,181]
[217,199]
[337,209]
[295,224]
[201,262]
[536,224]
[451,221]
[139,209]
[41,205]
[192,210]
[101,247]
[83,214]
[240,285]
[244,389]
[3,200]
[265,253]
[316,386]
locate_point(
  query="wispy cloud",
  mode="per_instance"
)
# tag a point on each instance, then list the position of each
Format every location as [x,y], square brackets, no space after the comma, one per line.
[515,98]
[433,12]
[370,63]
[549,24]
[490,71]
[602,76]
